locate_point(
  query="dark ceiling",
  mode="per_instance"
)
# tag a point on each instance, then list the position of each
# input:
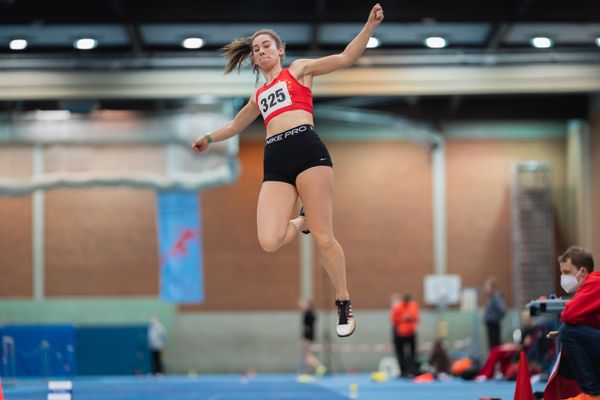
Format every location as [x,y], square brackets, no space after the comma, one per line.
[137,11]
[319,24]
[152,28]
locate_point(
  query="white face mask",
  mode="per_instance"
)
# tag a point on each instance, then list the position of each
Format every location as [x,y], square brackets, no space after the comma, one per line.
[569,282]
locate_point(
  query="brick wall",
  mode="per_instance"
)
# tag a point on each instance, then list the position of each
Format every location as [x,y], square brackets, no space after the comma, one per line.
[102,241]
[479,241]
[15,247]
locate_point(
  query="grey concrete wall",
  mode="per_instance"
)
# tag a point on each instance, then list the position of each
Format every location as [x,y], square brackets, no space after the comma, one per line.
[231,342]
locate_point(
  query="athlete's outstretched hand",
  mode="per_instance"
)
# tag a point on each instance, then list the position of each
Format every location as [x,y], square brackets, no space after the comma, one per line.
[200,144]
[376,16]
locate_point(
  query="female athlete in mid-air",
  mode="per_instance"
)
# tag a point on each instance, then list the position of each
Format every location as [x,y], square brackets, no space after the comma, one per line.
[296,162]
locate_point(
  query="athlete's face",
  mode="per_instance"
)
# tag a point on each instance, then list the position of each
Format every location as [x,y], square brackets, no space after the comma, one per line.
[265,52]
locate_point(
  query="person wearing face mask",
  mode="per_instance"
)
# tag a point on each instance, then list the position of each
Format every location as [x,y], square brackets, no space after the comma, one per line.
[579,334]
[296,163]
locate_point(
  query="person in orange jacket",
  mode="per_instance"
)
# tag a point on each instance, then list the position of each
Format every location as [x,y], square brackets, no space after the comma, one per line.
[405,317]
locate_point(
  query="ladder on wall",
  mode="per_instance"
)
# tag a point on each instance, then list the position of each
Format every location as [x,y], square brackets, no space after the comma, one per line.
[532,231]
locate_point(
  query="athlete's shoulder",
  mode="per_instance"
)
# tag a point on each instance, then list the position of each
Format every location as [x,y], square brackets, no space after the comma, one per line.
[297,67]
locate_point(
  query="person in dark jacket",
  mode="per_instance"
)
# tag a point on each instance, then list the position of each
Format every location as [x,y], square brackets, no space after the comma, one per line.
[309,317]
[495,310]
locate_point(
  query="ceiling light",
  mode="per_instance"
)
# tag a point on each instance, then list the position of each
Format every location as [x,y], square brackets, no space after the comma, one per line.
[193,43]
[204,100]
[435,42]
[48,115]
[85,43]
[18,44]
[541,42]
[373,42]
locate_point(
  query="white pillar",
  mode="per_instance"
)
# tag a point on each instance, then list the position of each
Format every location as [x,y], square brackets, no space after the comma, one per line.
[38,226]
[306,266]
[579,202]
[438,170]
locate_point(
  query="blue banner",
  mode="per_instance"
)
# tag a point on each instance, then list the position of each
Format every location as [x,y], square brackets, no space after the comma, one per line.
[180,246]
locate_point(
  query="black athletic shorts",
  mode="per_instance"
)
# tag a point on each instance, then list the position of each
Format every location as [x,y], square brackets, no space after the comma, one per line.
[289,153]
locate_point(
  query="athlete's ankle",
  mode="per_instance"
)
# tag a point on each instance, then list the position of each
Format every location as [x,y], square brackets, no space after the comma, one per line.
[302,225]
[298,223]
[305,229]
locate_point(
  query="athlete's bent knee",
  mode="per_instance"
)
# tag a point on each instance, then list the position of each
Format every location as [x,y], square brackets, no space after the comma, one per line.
[269,244]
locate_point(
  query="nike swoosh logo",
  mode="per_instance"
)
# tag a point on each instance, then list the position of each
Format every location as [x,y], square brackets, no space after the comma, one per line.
[323,159]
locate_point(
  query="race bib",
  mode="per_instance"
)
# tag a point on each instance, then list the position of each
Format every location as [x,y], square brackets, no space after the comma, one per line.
[274,98]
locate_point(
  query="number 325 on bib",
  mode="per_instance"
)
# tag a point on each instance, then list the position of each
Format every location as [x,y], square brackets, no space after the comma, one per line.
[274,98]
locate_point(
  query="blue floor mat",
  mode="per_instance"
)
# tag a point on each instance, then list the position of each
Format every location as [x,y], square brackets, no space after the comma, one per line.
[262,387]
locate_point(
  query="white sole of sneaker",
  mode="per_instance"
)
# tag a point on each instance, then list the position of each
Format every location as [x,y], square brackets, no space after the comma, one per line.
[346,334]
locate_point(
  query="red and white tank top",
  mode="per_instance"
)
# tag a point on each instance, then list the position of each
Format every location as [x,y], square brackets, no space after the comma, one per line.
[285,93]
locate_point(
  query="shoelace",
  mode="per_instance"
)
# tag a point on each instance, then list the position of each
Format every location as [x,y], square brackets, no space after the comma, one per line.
[344,311]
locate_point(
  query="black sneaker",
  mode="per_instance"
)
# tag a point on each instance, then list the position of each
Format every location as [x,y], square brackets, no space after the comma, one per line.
[345,322]
[306,231]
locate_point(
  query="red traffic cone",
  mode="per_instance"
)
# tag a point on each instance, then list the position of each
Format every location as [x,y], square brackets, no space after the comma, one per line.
[523,390]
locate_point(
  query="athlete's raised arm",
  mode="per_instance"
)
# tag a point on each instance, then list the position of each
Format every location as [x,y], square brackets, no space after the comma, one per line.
[352,52]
